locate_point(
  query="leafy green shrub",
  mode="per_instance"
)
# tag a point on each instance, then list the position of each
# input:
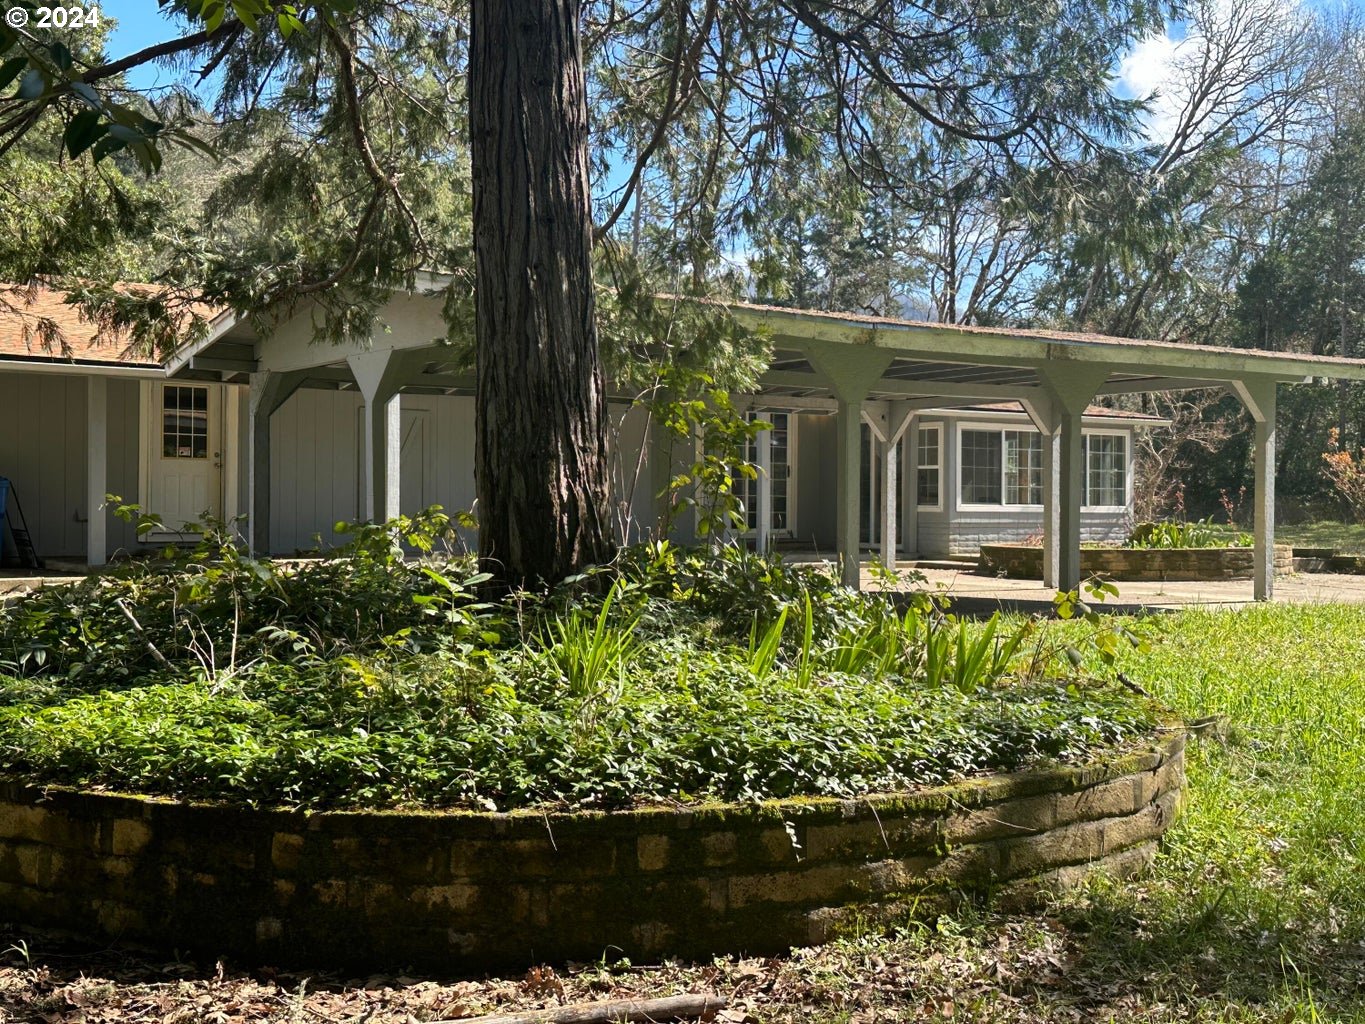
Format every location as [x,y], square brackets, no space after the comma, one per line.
[213,608]
[688,726]
[1203,533]
[370,679]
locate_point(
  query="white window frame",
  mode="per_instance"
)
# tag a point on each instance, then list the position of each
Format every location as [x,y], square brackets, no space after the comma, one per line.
[996,428]
[1086,434]
[793,417]
[940,467]
[1128,447]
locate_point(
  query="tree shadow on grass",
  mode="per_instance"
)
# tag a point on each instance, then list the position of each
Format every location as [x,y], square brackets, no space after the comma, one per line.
[1208,953]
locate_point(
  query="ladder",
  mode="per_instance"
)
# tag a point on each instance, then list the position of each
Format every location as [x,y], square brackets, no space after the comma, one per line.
[24,554]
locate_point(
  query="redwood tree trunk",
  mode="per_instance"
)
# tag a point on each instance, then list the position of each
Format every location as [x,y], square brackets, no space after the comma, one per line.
[541,462]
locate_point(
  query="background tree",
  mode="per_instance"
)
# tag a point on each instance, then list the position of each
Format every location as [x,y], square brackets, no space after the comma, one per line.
[692,118]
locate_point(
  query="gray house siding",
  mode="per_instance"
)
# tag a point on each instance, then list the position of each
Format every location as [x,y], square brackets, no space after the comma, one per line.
[315,463]
[43,451]
[316,469]
[972,529]
[123,455]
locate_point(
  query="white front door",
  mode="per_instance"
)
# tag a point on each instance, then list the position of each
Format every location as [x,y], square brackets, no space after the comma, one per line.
[185,453]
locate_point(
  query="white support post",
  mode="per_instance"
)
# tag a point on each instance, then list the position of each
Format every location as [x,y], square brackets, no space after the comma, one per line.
[851,372]
[96,469]
[1070,474]
[268,392]
[1052,504]
[1043,412]
[896,426]
[763,449]
[909,489]
[890,492]
[1259,398]
[849,424]
[1069,387]
[379,375]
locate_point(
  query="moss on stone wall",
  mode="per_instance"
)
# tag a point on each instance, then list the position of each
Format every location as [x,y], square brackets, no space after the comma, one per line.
[461,892]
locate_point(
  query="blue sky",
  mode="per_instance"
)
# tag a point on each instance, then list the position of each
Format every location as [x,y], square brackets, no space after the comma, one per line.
[140,24]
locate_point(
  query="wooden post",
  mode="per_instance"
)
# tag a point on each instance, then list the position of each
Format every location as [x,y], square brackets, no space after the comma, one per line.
[269,391]
[849,423]
[379,375]
[1068,389]
[1258,395]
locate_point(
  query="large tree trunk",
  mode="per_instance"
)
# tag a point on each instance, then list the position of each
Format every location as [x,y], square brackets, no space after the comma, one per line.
[541,462]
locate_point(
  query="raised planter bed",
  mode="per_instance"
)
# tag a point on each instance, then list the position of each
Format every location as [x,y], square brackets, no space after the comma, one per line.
[1025,562]
[462,892]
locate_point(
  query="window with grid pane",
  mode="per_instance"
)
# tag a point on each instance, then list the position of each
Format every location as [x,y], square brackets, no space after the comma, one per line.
[982,458]
[1106,470]
[927,467]
[1023,467]
[780,461]
[184,422]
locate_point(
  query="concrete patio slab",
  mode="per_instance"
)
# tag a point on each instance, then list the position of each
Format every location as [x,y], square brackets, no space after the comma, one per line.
[972,592]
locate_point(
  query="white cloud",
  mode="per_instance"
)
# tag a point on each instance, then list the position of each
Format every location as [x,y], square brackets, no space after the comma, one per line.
[1151,70]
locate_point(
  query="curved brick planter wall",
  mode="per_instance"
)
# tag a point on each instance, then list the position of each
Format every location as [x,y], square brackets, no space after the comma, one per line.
[463,892]
[1023,562]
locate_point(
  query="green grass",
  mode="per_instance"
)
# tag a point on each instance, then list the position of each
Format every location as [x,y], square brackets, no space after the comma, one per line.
[1256,908]
[1347,538]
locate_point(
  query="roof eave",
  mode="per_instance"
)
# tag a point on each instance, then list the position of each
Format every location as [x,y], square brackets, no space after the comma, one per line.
[1167,358]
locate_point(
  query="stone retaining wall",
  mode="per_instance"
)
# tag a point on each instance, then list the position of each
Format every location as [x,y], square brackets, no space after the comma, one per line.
[1025,562]
[462,892]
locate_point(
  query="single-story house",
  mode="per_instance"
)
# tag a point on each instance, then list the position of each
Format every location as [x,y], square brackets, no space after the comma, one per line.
[913,439]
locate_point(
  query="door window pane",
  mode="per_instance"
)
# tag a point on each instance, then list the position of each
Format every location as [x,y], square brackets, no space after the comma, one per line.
[927,468]
[1023,467]
[780,455]
[184,422]
[982,456]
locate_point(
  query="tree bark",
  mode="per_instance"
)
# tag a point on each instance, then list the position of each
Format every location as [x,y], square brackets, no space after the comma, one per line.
[540,459]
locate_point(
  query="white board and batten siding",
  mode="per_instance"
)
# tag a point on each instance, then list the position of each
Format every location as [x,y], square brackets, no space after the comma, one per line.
[43,448]
[317,468]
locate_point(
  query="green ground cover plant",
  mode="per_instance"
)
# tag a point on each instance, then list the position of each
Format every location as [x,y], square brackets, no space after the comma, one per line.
[1254,912]
[371,679]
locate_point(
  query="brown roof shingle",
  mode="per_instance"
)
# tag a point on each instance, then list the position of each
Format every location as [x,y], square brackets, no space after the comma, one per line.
[38,324]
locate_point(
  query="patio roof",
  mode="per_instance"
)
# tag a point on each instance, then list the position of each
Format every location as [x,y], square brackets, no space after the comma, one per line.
[931,360]
[869,370]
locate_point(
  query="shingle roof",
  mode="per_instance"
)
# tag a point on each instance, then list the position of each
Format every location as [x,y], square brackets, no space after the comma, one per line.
[28,316]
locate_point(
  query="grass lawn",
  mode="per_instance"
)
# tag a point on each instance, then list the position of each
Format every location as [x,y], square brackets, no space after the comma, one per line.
[1347,538]
[1256,911]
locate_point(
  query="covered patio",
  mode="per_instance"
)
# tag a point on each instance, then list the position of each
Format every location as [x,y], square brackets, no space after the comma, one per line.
[860,370]
[886,373]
